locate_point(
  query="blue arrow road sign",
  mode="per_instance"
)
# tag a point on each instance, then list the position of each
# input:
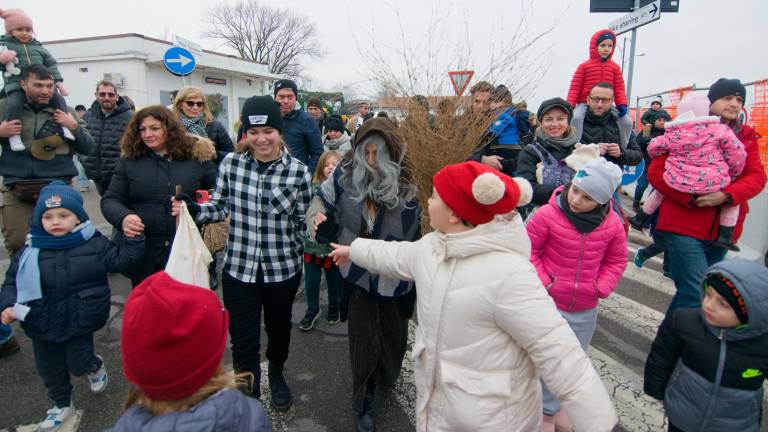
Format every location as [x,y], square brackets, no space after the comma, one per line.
[179,61]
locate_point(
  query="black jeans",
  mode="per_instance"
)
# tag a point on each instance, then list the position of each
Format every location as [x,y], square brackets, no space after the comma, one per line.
[244,301]
[15,104]
[55,361]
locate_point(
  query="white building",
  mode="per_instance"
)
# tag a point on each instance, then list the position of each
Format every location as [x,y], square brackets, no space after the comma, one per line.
[135,64]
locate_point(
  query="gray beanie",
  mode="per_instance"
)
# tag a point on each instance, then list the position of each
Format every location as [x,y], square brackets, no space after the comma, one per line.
[599,179]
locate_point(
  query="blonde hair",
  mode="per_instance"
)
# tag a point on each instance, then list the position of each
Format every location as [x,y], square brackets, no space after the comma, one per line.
[319,175]
[219,381]
[188,92]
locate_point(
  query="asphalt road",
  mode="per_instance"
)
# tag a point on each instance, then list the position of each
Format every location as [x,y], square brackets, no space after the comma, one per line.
[317,371]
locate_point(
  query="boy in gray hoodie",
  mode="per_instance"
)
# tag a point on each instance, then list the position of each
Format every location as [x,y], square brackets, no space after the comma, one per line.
[708,364]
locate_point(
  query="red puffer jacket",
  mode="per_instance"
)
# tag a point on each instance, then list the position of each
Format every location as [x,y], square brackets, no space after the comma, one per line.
[577,269]
[597,70]
[677,214]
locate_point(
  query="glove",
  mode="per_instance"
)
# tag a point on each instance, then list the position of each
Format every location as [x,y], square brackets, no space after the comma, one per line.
[62,89]
[327,231]
[192,206]
[622,110]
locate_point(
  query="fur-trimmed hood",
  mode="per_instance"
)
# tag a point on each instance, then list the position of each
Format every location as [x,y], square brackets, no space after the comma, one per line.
[203,150]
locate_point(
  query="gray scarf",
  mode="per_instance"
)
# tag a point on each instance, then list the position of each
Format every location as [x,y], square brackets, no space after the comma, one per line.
[334,144]
[195,125]
[564,142]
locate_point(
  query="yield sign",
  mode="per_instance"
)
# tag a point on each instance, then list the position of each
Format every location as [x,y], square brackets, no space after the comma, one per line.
[460,80]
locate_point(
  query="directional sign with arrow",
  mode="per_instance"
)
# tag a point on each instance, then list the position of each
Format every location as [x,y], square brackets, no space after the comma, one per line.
[179,61]
[646,14]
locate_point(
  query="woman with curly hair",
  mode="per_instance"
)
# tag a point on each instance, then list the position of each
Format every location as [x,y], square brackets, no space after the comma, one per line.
[157,155]
[193,110]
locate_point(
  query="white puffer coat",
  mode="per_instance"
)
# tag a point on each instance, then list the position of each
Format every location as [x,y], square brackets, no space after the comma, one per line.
[487,328]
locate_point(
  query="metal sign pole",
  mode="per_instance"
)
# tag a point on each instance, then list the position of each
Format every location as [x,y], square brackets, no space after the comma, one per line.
[632,58]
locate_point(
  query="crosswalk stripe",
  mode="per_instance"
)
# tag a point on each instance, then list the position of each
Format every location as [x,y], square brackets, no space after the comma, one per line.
[632,247]
[650,278]
[637,412]
[631,315]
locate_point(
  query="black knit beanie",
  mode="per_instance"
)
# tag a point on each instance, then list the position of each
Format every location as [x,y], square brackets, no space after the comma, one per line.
[606,36]
[260,111]
[286,83]
[726,87]
[557,102]
[730,293]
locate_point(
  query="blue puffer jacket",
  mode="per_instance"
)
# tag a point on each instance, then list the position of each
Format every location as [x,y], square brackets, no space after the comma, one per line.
[228,410]
[76,296]
[302,136]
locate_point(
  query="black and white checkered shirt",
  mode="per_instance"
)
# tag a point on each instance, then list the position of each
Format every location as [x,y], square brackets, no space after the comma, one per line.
[266,215]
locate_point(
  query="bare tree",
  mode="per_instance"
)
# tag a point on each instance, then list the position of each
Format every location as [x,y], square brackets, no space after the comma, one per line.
[278,37]
[416,62]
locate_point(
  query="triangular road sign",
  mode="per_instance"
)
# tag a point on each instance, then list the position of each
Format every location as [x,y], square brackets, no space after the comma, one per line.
[460,80]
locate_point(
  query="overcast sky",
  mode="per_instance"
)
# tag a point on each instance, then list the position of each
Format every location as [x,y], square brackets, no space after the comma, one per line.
[707,39]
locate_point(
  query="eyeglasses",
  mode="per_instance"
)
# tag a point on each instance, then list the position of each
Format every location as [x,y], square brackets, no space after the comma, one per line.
[105,94]
[601,100]
[193,104]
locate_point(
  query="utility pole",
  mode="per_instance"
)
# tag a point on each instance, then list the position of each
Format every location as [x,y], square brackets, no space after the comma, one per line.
[632,57]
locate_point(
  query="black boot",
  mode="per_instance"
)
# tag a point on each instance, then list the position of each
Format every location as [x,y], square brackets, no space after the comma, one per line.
[278,388]
[725,239]
[364,420]
[638,220]
[250,384]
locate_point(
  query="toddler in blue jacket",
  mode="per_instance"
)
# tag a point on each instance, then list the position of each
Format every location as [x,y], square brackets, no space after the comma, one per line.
[57,287]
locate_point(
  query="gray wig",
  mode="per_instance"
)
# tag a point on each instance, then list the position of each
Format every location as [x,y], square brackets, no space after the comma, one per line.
[381,185]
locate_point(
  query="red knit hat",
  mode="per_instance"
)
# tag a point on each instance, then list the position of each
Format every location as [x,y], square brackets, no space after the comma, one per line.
[477,192]
[173,337]
[14,19]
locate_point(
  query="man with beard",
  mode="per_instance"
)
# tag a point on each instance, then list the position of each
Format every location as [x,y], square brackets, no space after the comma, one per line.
[371,195]
[107,118]
[47,156]
[601,126]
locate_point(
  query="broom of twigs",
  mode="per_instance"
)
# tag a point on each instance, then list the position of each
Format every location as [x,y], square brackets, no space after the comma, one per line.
[434,143]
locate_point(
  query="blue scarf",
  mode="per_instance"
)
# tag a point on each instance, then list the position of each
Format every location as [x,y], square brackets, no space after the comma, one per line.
[28,276]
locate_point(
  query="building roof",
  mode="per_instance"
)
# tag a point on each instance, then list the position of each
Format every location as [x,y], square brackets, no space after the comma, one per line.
[134,45]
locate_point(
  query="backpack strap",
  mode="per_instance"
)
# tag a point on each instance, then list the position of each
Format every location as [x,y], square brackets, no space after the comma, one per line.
[542,152]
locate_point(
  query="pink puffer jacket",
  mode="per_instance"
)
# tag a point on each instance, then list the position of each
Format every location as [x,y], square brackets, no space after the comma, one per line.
[577,269]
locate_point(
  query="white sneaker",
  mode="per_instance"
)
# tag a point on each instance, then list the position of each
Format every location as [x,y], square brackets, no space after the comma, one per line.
[56,417]
[16,144]
[67,133]
[99,379]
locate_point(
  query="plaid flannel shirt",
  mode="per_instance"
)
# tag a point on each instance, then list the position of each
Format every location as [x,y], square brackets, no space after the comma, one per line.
[266,212]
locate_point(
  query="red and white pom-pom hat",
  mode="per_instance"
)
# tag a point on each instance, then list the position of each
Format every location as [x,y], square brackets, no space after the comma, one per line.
[477,192]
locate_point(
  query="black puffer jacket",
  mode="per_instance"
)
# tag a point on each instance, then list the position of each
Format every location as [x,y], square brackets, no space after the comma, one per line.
[605,129]
[76,294]
[710,378]
[144,187]
[526,168]
[218,134]
[106,132]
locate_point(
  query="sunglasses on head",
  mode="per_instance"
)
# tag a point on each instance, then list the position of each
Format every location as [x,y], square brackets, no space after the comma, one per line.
[106,94]
[193,104]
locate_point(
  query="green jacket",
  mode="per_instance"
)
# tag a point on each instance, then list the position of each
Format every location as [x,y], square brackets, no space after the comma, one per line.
[28,54]
[650,116]
[16,166]
[312,247]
